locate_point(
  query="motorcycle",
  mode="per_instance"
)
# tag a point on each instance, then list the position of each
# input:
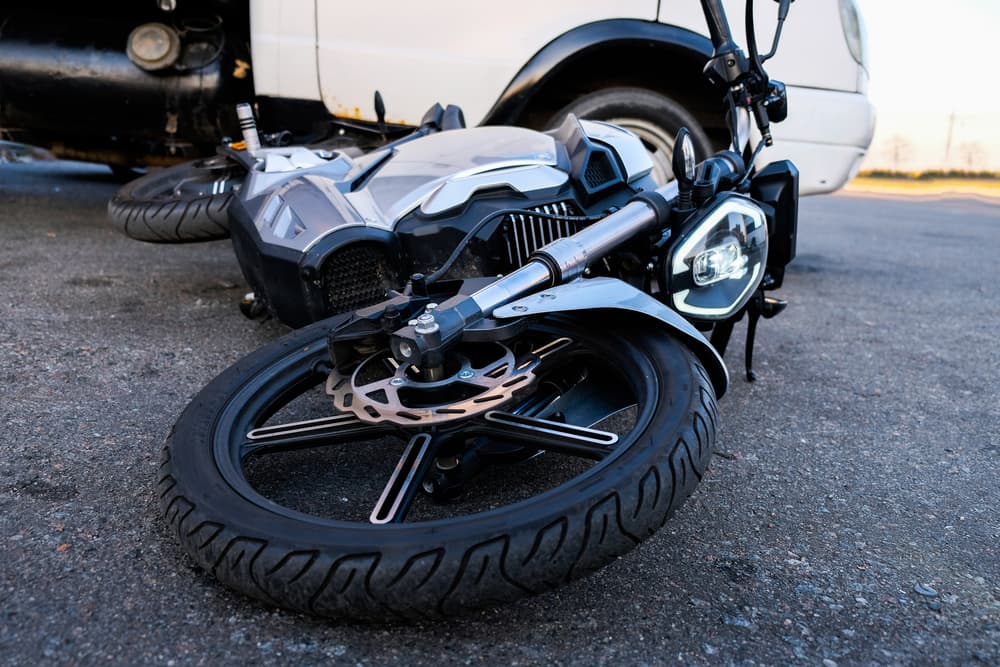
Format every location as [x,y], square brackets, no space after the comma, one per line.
[476,438]
[189,202]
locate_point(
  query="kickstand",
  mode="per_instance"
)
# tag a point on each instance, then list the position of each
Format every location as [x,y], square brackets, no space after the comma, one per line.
[754,309]
[758,306]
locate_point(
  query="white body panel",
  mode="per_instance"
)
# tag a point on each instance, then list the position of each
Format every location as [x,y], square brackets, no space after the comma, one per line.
[283,46]
[812,53]
[467,53]
[419,53]
[826,134]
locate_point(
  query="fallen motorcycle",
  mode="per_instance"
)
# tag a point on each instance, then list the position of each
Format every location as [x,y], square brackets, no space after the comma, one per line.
[477,438]
[188,202]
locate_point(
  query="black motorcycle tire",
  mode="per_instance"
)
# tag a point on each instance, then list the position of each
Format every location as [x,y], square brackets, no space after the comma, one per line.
[152,209]
[652,116]
[410,571]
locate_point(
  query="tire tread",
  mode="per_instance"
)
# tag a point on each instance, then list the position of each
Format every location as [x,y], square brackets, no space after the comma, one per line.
[155,221]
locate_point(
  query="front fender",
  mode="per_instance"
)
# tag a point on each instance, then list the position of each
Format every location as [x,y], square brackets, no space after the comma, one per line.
[614,294]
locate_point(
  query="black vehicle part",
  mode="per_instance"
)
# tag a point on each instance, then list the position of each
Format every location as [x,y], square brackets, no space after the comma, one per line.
[653,117]
[120,113]
[184,203]
[355,276]
[777,185]
[345,270]
[220,492]
[545,225]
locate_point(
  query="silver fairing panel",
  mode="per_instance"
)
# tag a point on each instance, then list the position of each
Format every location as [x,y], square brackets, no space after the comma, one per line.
[297,207]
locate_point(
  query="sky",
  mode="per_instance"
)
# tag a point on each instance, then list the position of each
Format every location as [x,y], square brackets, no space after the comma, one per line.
[933,69]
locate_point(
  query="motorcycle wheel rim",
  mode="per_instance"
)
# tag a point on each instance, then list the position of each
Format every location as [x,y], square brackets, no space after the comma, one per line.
[291,375]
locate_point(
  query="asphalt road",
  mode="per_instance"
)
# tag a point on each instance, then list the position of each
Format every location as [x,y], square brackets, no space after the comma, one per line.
[850,515]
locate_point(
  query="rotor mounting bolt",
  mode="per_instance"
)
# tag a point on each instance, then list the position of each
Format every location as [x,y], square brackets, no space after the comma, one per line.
[397,382]
[548,296]
[466,374]
[426,324]
[519,309]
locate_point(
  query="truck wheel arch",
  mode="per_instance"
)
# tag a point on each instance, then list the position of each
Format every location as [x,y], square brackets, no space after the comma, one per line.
[604,54]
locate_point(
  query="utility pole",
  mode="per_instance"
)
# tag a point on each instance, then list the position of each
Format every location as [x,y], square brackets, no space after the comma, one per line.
[947,143]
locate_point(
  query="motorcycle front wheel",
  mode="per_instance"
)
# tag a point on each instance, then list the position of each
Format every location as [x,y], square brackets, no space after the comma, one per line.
[283,499]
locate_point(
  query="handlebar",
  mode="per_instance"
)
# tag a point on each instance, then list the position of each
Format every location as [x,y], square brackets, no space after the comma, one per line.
[718,27]
[747,84]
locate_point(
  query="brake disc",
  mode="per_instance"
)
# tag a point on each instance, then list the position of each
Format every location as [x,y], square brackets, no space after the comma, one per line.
[380,390]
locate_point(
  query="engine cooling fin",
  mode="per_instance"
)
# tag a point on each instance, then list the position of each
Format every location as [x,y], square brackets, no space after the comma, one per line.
[524,234]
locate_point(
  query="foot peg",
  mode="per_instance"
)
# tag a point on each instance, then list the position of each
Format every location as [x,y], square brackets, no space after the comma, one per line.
[252,307]
[772,306]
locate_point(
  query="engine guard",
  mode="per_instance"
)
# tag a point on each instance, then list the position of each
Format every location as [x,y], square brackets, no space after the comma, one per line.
[611,293]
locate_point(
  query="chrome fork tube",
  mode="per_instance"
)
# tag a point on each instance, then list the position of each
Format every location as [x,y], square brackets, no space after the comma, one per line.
[533,275]
[566,258]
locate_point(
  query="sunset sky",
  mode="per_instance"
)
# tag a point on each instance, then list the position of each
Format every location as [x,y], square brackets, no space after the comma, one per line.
[934,68]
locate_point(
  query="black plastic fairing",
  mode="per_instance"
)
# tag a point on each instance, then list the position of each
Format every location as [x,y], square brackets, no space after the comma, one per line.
[295,286]
[427,241]
[272,271]
[777,185]
[594,166]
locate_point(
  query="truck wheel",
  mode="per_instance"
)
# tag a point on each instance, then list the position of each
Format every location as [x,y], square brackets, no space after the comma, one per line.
[653,117]
[179,204]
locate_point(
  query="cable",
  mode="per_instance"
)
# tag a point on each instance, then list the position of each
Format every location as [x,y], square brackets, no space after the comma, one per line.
[750,167]
[448,263]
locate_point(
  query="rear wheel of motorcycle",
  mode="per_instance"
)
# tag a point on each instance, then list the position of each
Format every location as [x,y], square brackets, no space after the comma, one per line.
[180,204]
[652,116]
[279,547]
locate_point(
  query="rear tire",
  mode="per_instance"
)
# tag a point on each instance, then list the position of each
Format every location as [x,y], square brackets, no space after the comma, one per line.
[181,204]
[652,116]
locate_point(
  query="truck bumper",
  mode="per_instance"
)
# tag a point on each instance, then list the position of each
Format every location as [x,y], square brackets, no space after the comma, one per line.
[848,121]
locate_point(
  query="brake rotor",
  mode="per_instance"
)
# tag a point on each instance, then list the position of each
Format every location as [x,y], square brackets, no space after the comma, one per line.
[380,390]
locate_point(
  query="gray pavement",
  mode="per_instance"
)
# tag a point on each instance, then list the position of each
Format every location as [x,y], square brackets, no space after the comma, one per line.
[850,516]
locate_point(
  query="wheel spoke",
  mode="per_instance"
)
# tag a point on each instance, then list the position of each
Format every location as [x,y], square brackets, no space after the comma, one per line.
[310,433]
[549,435]
[399,492]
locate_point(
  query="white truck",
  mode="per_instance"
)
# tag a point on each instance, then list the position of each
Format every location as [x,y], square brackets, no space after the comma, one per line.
[155,82]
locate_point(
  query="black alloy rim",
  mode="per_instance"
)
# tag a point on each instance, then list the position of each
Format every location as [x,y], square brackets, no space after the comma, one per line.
[304,368]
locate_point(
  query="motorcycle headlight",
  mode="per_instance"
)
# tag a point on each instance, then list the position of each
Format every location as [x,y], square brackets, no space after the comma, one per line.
[719,260]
